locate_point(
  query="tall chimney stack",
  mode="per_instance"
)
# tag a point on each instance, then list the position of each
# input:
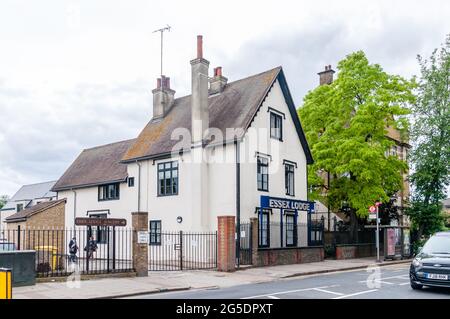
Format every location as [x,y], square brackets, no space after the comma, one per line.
[199,97]
[326,77]
[163,97]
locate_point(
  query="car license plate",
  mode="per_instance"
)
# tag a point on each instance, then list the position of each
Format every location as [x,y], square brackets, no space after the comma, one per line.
[437,276]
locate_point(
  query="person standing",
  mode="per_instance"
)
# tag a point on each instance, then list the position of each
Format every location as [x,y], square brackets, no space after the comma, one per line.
[91,247]
[73,250]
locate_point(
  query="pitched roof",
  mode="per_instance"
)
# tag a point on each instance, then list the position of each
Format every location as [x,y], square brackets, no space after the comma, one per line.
[38,208]
[30,192]
[96,166]
[235,107]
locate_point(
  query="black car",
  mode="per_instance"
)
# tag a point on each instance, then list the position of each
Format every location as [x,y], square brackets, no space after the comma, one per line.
[431,266]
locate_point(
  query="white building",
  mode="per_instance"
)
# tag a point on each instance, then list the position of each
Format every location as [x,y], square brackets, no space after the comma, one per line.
[26,197]
[224,150]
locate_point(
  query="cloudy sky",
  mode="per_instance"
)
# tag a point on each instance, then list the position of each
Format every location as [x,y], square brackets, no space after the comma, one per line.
[75,74]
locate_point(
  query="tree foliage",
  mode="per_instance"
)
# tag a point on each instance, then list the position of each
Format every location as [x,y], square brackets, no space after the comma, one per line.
[345,124]
[431,132]
[3,200]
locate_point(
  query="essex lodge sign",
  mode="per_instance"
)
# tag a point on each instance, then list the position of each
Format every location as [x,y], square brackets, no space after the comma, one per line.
[286,203]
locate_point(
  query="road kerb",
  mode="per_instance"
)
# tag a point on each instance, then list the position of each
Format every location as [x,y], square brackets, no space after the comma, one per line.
[318,272]
[147,292]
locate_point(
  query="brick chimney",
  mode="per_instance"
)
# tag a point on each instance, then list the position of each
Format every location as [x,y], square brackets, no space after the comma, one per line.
[199,97]
[163,97]
[326,77]
[218,82]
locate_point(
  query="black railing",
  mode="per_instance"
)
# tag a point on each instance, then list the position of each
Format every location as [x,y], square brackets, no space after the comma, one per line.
[170,251]
[283,235]
[246,243]
[316,226]
[54,257]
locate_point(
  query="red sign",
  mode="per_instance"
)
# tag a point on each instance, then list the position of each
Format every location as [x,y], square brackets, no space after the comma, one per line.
[372,209]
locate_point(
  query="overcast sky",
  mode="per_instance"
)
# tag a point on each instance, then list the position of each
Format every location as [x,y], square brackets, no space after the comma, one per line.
[76,74]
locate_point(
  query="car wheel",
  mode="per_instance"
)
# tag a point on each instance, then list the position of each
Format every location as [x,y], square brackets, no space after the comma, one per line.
[416,286]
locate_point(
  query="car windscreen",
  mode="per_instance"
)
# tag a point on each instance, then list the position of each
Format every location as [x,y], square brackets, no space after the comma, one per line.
[437,245]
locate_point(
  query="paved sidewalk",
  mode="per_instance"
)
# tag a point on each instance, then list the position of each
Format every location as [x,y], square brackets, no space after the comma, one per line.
[177,280]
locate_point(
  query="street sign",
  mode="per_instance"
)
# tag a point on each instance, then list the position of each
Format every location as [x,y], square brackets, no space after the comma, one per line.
[372,216]
[86,221]
[372,209]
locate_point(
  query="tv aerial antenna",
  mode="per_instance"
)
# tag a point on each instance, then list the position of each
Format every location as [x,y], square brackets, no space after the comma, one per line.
[162,30]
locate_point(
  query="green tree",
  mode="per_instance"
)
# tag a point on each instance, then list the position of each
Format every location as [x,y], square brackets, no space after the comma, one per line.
[431,151]
[345,124]
[3,200]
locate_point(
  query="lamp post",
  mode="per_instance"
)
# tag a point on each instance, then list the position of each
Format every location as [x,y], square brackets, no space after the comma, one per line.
[377,204]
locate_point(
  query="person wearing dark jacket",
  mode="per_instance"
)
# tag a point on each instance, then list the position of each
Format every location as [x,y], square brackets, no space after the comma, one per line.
[73,250]
[91,247]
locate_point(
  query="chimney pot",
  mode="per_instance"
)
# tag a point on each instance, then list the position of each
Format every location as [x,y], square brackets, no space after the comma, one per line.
[199,47]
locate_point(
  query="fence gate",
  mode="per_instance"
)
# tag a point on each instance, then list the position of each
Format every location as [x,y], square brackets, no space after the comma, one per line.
[170,251]
[315,231]
[245,247]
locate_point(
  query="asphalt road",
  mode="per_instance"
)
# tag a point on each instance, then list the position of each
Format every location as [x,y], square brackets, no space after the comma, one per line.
[389,282]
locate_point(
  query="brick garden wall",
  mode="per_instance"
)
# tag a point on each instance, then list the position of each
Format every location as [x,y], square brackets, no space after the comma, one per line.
[287,256]
[355,251]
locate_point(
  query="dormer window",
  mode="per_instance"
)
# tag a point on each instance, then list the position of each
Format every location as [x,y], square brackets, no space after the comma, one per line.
[276,126]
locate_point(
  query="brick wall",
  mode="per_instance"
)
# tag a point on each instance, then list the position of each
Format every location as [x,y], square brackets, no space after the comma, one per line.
[45,228]
[140,250]
[288,256]
[43,232]
[355,251]
[226,243]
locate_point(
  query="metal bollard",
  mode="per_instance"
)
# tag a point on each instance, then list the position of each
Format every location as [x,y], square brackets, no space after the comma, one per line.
[5,283]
